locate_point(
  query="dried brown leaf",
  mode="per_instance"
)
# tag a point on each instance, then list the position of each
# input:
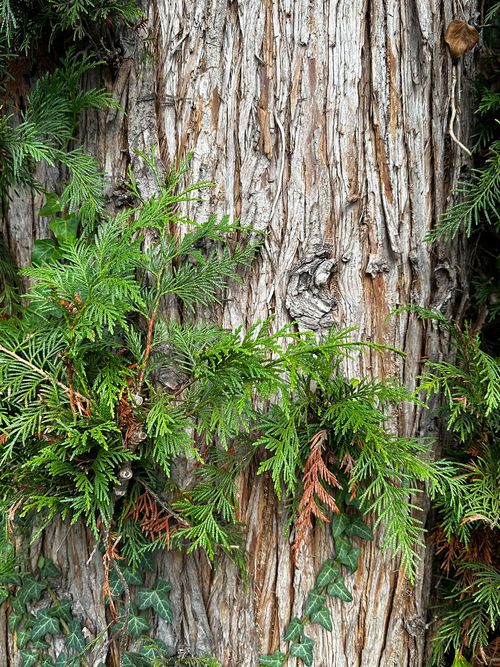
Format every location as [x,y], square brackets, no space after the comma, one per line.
[460,37]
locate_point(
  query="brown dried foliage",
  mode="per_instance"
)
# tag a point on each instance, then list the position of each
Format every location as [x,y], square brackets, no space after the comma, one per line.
[128,424]
[490,655]
[316,475]
[481,549]
[154,521]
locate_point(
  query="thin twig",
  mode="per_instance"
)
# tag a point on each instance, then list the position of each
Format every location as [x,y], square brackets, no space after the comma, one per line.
[122,632]
[69,368]
[266,245]
[160,502]
[44,374]
[147,349]
[454,110]
[282,167]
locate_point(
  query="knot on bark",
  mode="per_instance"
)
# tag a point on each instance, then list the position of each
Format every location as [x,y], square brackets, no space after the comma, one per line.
[376,265]
[308,298]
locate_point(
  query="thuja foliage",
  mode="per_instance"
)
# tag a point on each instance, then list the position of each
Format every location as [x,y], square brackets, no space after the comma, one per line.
[101,396]
[468,531]
[24,23]
[89,431]
[45,132]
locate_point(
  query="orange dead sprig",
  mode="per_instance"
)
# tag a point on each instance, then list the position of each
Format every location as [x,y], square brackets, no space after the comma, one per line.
[316,474]
[480,549]
[154,522]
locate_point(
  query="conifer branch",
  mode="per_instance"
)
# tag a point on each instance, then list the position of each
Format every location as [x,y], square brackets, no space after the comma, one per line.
[67,390]
[147,348]
[316,474]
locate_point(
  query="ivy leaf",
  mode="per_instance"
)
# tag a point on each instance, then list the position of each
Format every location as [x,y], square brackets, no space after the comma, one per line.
[44,251]
[164,586]
[75,639]
[28,658]
[4,594]
[22,638]
[339,523]
[148,562]
[131,659]
[47,568]
[46,662]
[342,548]
[314,602]
[31,590]
[137,626]
[338,589]
[52,205]
[10,578]
[64,660]
[156,599]
[328,573]
[44,624]
[18,606]
[65,229]
[132,577]
[154,649]
[115,585]
[277,659]
[352,502]
[304,651]
[63,611]
[358,528]
[323,617]
[351,559]
[294,630]
[14,619]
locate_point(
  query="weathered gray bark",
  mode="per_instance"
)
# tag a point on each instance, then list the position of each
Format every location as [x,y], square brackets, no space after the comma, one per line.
[323,123]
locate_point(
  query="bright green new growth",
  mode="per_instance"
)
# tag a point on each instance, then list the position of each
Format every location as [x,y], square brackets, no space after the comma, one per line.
[44,133]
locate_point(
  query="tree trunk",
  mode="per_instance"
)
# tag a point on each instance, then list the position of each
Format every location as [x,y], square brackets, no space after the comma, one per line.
[326,125]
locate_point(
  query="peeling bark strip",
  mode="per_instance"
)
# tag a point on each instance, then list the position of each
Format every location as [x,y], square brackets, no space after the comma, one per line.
[324,123]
